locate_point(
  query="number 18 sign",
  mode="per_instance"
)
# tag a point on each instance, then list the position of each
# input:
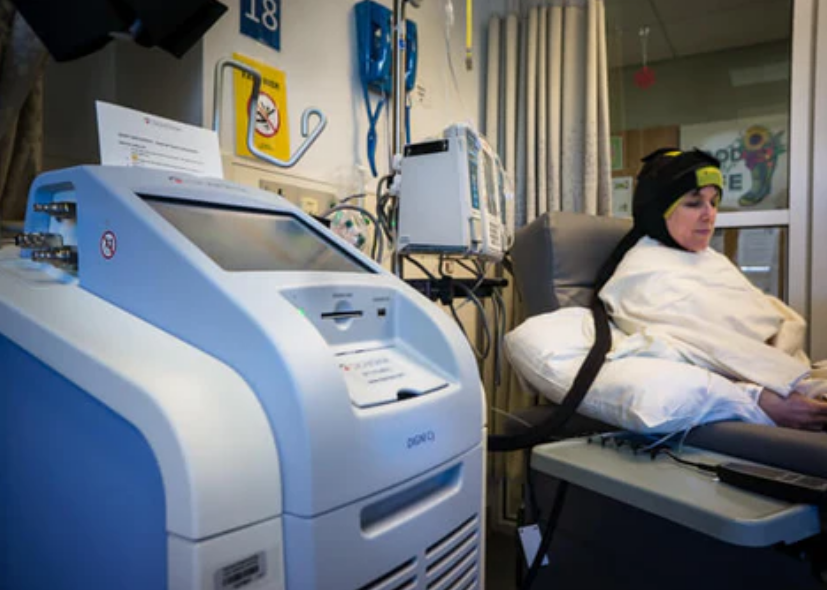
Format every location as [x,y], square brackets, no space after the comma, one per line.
[261,20]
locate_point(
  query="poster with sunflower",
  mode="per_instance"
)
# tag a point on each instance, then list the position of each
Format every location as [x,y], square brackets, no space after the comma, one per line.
[753,155]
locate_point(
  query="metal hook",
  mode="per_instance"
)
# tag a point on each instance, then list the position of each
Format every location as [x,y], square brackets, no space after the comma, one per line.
[310,136]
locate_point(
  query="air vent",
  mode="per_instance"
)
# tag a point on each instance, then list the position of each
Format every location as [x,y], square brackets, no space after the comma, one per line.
[453,561]
[400,578]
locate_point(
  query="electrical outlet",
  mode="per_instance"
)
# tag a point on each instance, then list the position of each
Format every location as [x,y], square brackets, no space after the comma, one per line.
[312,201]
[287,191]
[309,205]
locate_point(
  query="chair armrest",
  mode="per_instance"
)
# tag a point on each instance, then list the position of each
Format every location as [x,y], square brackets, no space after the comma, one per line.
[786,448]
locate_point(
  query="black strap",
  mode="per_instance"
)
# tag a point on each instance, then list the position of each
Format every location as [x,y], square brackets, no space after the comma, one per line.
[582,382]
[588,370]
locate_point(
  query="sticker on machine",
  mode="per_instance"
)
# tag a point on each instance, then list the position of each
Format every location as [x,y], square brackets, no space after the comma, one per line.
[108,244]
[241,573]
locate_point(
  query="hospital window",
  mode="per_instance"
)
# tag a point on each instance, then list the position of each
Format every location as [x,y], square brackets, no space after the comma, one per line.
[760,253]
[712,74]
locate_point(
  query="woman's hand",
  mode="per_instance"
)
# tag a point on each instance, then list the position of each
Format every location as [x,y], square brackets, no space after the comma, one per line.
[794,411]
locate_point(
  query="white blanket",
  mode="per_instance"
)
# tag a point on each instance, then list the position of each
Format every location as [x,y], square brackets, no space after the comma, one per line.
[700,307]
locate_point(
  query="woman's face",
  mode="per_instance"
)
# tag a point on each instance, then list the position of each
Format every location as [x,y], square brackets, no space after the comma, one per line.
[692,222]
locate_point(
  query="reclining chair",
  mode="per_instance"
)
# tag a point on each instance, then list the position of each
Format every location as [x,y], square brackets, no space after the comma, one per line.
[555,261]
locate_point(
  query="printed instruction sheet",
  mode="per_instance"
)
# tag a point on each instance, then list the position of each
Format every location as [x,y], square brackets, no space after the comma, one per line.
[132,138]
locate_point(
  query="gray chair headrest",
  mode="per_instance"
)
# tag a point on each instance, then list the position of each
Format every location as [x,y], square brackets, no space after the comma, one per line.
[557,256]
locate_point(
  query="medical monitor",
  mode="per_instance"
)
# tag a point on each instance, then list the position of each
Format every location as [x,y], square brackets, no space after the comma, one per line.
[250,240]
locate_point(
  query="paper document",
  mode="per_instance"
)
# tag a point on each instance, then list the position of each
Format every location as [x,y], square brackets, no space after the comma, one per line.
[132,138]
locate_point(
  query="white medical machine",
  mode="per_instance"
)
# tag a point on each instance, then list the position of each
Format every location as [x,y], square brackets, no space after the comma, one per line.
[203,388]
[455,198]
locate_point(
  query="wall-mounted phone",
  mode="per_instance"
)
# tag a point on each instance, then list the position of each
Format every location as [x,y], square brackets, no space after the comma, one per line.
[411,54]
[374,24]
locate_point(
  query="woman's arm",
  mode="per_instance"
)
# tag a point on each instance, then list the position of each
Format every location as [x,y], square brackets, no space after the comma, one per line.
[794,411]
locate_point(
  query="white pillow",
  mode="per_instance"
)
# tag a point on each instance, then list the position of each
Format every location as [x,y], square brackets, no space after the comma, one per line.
[639,392]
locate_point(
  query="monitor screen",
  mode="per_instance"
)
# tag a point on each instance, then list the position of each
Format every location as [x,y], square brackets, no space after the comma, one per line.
[254,240]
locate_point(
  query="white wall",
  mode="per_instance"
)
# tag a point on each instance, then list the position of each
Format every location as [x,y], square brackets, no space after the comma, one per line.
[318,56]
[318,49]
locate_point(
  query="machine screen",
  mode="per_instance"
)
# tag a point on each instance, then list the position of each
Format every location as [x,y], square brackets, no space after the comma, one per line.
[250,240]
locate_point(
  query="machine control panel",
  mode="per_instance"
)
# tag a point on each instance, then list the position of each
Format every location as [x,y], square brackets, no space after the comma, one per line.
[347,315]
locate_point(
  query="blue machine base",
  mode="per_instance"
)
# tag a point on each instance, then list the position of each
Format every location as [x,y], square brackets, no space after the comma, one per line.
[81,495]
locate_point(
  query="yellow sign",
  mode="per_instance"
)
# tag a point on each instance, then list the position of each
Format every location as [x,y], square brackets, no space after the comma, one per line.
[272,134]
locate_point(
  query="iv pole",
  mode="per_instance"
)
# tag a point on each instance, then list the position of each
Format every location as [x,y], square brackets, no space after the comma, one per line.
[399,51]
[397,110]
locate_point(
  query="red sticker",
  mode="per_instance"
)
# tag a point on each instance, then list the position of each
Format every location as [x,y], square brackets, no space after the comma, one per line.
[109,244]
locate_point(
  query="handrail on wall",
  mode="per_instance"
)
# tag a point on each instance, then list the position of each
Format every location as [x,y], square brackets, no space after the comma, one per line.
[310,136]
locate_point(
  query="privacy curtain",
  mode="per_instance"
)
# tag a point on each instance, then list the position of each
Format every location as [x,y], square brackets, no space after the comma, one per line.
[22,59]
[547,113]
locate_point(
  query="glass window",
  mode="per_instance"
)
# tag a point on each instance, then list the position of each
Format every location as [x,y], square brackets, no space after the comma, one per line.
[760,253]
[712,74]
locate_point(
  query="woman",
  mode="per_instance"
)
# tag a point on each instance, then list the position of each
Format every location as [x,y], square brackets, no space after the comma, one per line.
[665,282]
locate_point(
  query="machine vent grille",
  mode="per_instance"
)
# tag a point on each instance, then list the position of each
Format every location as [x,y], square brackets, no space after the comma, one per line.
[400,578]
[451,562]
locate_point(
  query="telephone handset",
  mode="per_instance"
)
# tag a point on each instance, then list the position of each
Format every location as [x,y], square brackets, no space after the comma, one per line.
[374,24]
[410,55]
[373,29]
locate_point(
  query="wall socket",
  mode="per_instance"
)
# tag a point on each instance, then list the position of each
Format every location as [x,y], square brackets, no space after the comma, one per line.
[311,201]
[309,205]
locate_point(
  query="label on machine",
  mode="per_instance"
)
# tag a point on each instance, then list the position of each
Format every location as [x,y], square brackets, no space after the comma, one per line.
[384,375]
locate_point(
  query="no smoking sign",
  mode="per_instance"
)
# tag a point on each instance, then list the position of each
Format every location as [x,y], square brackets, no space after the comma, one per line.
[108,244]
[268,120]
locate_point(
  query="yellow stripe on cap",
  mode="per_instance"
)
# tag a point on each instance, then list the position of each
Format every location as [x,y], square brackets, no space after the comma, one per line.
[710,175]
[673,154]
[672,208]
[674,205]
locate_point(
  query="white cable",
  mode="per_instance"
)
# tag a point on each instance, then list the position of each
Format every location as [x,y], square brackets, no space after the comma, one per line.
[449,23]
[702,414]
[511,416]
